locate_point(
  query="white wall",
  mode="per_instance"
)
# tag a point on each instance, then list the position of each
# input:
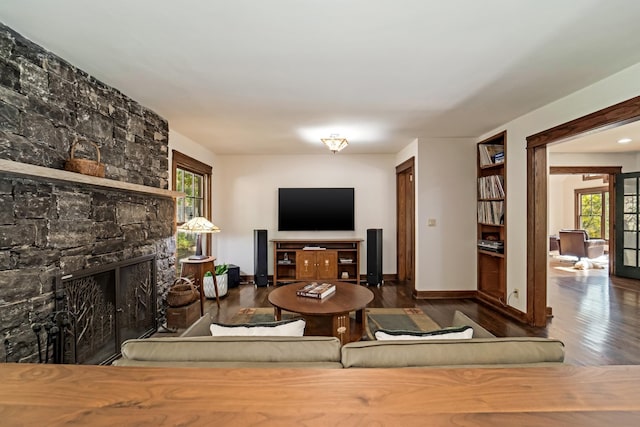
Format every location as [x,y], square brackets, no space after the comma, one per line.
[247,191]
[612,90]
[561,200]
[446,193]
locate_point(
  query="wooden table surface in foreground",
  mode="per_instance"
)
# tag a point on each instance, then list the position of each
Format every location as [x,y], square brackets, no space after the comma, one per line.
[32,394]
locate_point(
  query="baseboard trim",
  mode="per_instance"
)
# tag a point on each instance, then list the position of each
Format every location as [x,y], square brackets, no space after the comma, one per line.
[507,310]
[444,294]
[249,279]
[385,278]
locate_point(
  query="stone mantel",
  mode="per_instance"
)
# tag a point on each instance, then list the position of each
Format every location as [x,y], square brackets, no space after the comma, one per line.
[24,169]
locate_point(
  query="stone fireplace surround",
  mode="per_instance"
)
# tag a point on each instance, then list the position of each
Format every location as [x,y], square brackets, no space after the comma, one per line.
[50,228]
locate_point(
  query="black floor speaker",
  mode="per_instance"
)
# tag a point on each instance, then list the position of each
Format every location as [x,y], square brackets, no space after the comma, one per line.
[233,276]
[260,277]
[374,256]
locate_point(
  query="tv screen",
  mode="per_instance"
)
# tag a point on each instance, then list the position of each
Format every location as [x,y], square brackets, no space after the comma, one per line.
[315,209]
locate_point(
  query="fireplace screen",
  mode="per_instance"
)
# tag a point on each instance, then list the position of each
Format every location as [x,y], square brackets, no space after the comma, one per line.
[103,307]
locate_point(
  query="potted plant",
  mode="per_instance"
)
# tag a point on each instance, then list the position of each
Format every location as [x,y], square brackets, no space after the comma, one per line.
[221,279]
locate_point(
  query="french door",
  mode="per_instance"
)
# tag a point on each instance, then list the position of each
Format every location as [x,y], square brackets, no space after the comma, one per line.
[628,225]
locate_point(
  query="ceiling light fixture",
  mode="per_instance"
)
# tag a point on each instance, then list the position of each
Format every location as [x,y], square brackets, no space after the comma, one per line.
[624,141]
[334,143]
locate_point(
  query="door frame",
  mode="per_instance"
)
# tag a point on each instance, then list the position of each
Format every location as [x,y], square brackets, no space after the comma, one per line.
[611,172]
[621,269]
[405,229]
[616,115]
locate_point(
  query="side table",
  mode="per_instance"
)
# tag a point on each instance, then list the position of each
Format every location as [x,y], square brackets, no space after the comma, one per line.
[197,268]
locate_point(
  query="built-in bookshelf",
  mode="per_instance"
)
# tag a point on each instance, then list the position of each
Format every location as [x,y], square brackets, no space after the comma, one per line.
[492,226]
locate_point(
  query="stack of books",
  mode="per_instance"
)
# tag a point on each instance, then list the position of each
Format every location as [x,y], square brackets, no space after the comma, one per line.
[316,290]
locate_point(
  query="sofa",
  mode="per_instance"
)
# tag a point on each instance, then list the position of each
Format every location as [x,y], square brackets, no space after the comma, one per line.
[577,243]
[197,348]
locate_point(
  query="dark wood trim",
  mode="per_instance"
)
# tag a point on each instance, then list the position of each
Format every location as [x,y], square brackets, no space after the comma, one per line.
[183,161]
[536,236]
[612,220]
[579,170]
[444,294]
[405,221]
[615,115]
[507,310]
[386,277]
[407,164]
[190,163]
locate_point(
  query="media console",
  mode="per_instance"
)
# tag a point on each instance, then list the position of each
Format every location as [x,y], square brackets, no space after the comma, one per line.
[298,260]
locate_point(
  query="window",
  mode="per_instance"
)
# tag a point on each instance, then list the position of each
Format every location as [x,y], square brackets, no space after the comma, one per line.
[192,177]
[192,205]
[592,211]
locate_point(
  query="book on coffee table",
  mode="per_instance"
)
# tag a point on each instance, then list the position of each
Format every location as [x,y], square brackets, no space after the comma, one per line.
[316,290]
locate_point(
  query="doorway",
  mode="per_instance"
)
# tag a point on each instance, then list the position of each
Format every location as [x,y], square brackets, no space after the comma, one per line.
[616,115]
[405,222]
[610,173]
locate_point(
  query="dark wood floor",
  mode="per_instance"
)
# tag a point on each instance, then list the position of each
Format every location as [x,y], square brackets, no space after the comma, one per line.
[596,316]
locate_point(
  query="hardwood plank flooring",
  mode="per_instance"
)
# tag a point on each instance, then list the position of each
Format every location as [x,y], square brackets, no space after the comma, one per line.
[595,315]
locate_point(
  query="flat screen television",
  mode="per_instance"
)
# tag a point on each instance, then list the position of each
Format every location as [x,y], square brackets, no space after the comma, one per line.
[315,209]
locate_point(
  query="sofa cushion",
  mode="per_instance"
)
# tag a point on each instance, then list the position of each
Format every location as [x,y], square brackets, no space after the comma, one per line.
[283,328]
[452,333]
[232,351]
[461,319]
[474,352]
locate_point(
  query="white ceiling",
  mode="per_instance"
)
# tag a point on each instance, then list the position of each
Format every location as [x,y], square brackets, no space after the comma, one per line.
[251,76]
[603,141]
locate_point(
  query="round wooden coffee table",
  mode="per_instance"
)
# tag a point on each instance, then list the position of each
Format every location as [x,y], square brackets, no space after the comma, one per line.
[347,298]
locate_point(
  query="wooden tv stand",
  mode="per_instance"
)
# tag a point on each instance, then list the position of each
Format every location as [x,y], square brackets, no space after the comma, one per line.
[326,259]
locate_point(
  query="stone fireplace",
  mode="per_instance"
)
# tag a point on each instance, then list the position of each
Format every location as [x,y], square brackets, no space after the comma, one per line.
[51,228]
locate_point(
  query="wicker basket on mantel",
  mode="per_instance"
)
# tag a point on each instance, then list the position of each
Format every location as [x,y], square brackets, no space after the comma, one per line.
[85,166]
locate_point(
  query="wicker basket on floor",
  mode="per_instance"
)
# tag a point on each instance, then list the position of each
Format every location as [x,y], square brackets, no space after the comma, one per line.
[182,292]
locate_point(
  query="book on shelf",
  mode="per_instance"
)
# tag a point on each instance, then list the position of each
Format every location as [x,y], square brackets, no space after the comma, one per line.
[316,290]
[491,154]
[491,187]
[491,212]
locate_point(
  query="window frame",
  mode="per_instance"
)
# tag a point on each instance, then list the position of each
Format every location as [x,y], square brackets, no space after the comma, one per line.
[187,163]
[578,193]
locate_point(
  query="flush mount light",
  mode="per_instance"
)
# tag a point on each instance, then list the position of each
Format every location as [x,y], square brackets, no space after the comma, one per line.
[624,141]
[335,143]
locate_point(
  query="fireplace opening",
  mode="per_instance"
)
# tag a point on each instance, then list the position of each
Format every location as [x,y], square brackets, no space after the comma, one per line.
[98,309]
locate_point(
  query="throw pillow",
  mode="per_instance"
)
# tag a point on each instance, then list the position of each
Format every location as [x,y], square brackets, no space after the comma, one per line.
[453,333]
[283,328]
